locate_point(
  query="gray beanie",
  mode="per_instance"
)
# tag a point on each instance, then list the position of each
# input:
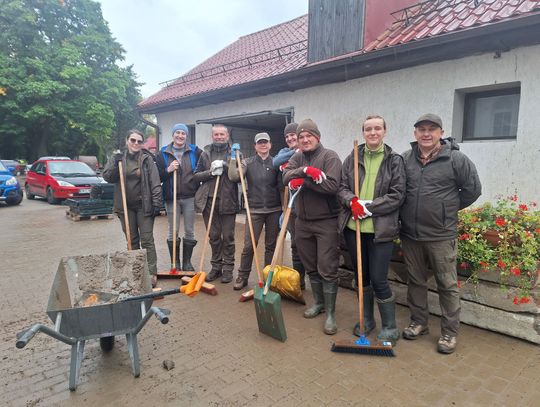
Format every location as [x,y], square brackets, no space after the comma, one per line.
[310,126]
[290,128]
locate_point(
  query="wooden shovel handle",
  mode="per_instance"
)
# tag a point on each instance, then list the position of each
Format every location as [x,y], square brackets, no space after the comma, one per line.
[248,213]
[207,236]
[358,243]
[174,222]
[124,204]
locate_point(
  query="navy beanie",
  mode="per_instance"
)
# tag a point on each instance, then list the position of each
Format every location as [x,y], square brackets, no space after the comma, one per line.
[180,126]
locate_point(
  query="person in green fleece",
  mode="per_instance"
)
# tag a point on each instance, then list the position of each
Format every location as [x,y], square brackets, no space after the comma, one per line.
[382,191]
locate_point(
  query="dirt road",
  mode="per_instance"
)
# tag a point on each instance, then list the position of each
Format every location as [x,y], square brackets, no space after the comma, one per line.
[220,357]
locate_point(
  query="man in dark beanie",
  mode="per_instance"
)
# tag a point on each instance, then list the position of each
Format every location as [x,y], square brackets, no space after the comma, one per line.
[181,157]
[318,171]
[279,162]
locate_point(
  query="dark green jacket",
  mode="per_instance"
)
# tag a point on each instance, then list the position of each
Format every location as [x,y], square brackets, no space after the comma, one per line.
[436,192]
[150,183]
[389,192]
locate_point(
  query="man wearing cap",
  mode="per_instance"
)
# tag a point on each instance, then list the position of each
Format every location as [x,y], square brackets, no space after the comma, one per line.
[264,204]
[181,157]
[280,162]
[219,158]
[318,170]
[441,180]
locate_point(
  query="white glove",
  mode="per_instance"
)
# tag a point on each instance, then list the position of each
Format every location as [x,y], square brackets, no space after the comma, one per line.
[363,203]
[216,167]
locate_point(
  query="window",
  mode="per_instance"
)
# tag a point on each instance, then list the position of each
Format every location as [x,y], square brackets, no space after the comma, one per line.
[491,115]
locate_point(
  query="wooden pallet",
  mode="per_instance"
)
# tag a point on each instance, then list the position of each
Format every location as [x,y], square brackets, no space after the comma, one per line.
[76,218]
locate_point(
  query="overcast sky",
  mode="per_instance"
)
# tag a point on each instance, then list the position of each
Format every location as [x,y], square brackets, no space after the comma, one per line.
[164,39]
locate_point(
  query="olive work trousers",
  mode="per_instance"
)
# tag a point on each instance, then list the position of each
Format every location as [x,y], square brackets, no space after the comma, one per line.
[141,230]
[317,244]
[438,259]
[221,237]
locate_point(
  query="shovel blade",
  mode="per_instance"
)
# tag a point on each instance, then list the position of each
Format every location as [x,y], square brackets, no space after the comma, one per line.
[269,315]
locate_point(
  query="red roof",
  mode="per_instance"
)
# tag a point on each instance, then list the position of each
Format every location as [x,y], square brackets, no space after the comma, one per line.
[283,48]
[437,17]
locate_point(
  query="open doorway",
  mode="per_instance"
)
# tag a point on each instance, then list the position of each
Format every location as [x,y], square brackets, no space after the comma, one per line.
[244,126]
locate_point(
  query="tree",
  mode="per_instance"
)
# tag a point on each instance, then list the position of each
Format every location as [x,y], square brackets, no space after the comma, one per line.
[61,88]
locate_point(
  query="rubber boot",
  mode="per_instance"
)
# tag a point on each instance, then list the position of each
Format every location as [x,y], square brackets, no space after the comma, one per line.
[330,293]
[298,266]
[318,297]
[187,251]
[369,319]
[170,246]
[387,309]
[227,276]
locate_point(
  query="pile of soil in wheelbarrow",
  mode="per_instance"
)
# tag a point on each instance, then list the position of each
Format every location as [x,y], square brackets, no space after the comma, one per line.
[107,278]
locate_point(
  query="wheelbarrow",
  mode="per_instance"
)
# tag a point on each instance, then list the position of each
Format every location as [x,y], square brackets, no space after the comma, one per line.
[98,297]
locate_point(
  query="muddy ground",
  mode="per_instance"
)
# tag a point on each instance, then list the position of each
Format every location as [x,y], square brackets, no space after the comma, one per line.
[220,358]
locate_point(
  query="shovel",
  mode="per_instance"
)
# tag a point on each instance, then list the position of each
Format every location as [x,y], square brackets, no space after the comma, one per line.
[268,303]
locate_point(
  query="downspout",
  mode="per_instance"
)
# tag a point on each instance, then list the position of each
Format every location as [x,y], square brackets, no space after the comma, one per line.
[155,126]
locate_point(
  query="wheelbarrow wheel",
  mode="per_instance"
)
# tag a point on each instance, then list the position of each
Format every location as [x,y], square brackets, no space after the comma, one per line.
[106,343]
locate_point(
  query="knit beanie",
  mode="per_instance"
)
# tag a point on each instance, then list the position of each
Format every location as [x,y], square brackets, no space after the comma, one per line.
[180,126]
[290,128]
[310,126]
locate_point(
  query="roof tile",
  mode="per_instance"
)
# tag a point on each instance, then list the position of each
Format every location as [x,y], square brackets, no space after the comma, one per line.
[283,48]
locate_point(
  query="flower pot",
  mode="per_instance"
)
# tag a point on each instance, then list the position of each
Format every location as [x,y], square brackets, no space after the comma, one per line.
[492,237]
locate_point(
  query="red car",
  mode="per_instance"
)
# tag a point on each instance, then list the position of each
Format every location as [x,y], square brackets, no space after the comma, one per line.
[57,180]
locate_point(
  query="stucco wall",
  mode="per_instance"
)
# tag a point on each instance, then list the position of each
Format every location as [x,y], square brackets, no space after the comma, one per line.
[505,167]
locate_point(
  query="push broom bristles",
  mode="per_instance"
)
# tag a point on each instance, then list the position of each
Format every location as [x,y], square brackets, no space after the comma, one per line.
[363,347]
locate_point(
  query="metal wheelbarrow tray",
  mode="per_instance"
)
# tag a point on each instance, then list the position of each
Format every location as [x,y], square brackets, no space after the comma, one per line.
[79,315]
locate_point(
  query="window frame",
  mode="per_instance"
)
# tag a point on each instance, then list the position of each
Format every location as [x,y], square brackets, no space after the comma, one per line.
[473,96]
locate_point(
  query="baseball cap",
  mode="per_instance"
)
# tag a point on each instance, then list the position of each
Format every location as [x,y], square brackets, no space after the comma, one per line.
[262,136]
[429,117]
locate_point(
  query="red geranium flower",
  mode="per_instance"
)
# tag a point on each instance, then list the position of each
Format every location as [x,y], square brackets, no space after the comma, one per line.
[525,300]
[523,207]
[500,222]
[515,300]
[464,236]
[515,271]
[483,264]
[501,264]
[513,198]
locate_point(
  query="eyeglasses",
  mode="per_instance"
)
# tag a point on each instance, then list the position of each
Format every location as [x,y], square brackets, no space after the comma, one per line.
[135,141]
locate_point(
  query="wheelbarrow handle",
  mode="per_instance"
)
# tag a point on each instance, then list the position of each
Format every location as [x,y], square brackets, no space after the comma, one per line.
[25,336]
[153,295]
[161,314]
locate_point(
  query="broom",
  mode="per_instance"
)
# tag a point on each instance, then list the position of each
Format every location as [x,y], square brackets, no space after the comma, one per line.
[362,345]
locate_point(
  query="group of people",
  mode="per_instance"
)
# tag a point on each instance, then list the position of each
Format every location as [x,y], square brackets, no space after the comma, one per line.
[414,197]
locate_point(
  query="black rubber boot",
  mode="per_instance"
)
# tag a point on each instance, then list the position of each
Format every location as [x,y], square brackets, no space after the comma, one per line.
[170,246]
[369,319]
[213,275]
[227,276]
[298,266]
[318,297]
[387,309]
[187,251]
[330,293]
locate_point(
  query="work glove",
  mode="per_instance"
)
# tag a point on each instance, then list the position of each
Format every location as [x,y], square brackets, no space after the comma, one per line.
[296,183]
[358,209]
[234,148]
[216,167]
[314,173]
[156,211]
[117,158]
[283,166]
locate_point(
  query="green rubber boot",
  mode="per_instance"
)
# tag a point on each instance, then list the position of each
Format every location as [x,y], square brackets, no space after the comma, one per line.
[318,297]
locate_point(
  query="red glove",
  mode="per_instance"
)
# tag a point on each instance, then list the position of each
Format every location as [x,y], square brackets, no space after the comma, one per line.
[283,166]
[357,209]
[314,173]
[296,183]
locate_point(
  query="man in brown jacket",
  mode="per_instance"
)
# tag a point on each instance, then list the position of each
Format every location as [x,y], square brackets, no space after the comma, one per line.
[216,160]
[318,171]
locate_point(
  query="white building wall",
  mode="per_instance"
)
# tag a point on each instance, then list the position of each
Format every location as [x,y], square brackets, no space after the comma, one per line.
[505,167]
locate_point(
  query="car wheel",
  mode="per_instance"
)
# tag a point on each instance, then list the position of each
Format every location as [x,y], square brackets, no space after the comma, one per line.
[16,201]
[50,197]
[28,194]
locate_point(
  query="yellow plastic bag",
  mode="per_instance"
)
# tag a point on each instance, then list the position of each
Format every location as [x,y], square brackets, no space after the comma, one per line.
[286,282]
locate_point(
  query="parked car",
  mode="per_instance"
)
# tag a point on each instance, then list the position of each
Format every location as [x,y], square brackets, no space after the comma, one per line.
[14,166]
[10,189]
[57,180]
